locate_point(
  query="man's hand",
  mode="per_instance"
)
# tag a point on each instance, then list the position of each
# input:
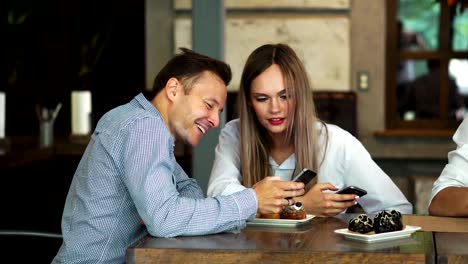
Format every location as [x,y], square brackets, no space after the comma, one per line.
[272,193]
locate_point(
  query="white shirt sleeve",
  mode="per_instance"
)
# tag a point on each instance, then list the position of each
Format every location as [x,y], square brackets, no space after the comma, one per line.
[225,175]
[455,173]
[348,163]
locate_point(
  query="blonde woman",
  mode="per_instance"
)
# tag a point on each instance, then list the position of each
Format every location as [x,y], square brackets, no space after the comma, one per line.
[278,134]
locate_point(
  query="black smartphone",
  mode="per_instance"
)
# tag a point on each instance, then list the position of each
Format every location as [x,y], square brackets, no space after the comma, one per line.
[352,190]
[305,176]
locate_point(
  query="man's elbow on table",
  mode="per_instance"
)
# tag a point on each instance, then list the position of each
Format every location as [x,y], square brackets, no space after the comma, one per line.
[164,230]
[451,201]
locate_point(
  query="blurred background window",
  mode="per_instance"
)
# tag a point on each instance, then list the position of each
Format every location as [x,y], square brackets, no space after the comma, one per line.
[429,88]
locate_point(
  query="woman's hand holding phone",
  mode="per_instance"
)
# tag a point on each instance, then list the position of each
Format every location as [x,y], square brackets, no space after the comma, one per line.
[320,202]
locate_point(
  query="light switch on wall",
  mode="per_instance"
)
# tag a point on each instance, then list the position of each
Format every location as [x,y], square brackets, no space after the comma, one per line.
[363,80]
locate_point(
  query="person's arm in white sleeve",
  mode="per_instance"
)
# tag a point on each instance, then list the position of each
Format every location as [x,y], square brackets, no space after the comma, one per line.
[450,191]
[362,171]
[225,176]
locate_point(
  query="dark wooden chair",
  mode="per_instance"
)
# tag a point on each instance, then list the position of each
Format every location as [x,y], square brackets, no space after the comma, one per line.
[338,108]
[23,246]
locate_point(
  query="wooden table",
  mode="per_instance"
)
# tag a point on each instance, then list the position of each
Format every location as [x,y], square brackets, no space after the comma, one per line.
[437,224]
[452,247]
[314,242]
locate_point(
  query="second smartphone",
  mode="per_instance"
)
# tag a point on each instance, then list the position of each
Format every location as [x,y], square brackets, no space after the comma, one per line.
[352,190]
[305,176]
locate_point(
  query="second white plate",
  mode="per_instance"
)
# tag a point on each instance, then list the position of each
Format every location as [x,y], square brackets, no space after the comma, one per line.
[378,237]
[279,222]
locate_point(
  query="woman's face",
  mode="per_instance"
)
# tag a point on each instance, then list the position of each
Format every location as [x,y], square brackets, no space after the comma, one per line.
[270,102]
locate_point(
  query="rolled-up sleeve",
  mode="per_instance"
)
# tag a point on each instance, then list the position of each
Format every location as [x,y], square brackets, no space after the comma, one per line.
[455,173]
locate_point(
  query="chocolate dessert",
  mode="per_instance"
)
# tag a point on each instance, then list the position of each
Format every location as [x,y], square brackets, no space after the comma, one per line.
[295,211]
[386,221]
[361,224]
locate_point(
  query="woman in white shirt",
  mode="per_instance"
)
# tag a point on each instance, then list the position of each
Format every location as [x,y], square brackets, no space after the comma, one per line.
[450,191]
[279,134]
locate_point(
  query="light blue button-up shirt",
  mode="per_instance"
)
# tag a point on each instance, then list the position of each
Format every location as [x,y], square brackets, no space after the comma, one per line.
[128,175]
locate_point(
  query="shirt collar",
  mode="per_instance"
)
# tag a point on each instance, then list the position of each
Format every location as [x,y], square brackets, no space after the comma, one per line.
[288,164]
[147,105]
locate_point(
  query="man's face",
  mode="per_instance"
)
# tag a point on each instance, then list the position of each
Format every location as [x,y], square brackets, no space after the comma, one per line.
[198,111]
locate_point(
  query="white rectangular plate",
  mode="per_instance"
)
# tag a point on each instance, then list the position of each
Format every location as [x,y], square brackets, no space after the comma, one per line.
[378,237]
[279,222]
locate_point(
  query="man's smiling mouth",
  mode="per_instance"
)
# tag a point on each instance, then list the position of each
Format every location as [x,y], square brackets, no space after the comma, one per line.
[201,129]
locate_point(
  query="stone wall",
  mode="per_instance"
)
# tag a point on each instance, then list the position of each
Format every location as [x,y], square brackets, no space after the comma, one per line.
[317,30]
[329,4]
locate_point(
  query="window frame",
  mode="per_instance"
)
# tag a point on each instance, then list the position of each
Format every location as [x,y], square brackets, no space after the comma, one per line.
[393,56]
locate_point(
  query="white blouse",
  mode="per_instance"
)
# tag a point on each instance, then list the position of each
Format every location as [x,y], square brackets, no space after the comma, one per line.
[455,173]
[346,163]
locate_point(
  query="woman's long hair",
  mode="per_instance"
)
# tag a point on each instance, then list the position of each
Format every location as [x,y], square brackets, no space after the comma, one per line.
[302,128]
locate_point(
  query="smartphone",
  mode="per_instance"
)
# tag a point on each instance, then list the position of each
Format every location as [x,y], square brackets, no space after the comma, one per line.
[305,176]
[352,190]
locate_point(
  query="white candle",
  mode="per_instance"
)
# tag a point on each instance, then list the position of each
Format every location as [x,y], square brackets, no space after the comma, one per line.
[81,112]
[2,114]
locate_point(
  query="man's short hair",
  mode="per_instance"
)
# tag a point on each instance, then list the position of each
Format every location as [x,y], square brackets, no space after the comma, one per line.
[187,66]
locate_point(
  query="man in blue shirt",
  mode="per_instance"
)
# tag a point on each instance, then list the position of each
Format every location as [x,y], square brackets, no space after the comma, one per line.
[128,183]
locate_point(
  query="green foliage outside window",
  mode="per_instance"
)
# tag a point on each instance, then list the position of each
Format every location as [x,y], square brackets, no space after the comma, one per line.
[422,16]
